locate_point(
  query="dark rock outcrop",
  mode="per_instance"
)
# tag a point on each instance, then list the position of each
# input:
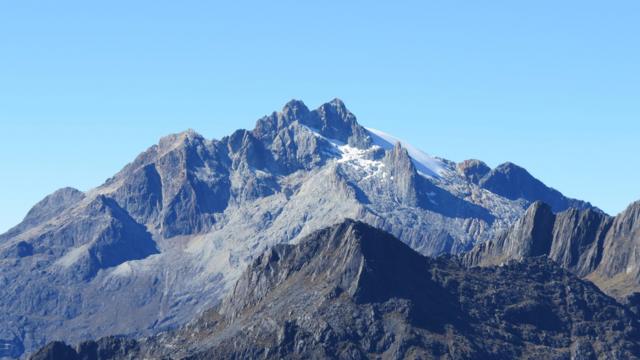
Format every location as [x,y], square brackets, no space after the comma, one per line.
[105,348]
[56,350]
[332,120]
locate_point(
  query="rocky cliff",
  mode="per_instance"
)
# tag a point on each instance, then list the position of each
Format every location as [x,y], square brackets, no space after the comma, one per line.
[590,244]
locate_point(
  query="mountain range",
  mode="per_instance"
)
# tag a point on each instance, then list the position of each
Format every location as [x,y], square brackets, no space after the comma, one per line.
[168,237]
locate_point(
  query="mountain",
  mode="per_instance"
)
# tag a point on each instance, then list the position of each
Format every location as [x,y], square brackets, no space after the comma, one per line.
[167,236]
[514,182]
[351,291]
[595,246]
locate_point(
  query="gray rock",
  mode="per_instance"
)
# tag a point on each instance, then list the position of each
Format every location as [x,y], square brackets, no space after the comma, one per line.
[587,242]
[474,170]
[404,175]
[530,236]
[46,209]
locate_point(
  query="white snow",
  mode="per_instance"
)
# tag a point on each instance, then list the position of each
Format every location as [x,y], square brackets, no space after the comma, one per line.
[424,163]
[357,158]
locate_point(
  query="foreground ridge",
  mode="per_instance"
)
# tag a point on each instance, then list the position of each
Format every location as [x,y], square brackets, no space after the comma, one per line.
[352,291]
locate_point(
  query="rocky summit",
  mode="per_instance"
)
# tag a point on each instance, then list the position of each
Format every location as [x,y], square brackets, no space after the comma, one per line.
[351,291]
[166,238]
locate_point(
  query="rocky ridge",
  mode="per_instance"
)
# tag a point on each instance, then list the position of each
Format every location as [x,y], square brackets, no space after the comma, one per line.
[593,245]
[352,292]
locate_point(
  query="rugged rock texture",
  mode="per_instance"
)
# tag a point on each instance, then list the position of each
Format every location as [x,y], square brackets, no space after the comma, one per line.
[514,182]
[473,169]
[56,350]
[169,234]
[588,243]
[46,209]
[403,175]
[529,237]
[353,292]
[105,348]
[619,270]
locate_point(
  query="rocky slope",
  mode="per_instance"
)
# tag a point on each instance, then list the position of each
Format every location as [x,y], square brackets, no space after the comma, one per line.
[592,245]
[352,292]
[167,236]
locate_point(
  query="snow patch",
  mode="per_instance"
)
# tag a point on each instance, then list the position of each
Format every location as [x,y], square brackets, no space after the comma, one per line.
[358,159]
[424,163]
[352,156]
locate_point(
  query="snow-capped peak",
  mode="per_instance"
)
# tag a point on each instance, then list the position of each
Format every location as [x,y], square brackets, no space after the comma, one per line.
[424,163]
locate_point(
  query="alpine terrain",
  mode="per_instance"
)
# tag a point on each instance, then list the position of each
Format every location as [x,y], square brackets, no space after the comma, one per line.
[167,237]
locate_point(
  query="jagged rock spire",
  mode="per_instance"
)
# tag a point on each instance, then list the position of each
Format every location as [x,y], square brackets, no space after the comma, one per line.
[332,120]
[402,173]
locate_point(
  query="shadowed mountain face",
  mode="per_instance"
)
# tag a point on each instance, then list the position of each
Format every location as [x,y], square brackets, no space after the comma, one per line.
[168,235]
[352,292]
[592,245]
[513,182]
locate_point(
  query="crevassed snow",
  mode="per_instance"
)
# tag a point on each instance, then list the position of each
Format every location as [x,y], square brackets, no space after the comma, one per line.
[352,155]
[424,163]
[357,158]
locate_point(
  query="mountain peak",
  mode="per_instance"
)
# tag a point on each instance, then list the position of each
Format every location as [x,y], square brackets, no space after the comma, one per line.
[363,259]
[511,166]
[535,230]
[633,207]
[331,120]
[530,236]
[515,182]
[473,170]
[538,207]
[172,141]
[295,109]
[48,208]
[338,104]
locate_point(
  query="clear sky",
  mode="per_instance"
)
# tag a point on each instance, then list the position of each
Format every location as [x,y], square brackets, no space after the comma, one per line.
[551,85]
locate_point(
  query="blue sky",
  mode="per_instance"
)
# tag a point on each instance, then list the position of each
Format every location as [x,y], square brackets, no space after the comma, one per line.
[553,86]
